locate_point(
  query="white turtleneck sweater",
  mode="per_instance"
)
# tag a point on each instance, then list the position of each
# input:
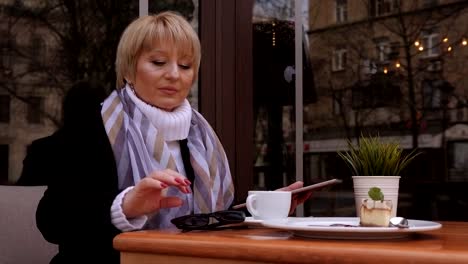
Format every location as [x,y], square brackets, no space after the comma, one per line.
[174,126]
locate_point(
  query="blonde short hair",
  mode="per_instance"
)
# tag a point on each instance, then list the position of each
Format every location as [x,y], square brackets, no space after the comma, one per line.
[148,30]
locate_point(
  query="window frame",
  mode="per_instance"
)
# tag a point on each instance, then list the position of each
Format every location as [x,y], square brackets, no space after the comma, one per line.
[341,11]
[432,49]
[339,59]
[384,7]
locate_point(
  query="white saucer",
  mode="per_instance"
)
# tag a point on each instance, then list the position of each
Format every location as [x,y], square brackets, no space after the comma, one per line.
[252,222]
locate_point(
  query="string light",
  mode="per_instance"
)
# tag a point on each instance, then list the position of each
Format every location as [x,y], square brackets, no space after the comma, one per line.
[464,42]
[445,39]
[397,65]
[416,43]
[385,71]
[449,49]
[273,35]
[421,48]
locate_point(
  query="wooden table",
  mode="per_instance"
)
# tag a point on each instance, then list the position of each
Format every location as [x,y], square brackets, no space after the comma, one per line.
[262,245]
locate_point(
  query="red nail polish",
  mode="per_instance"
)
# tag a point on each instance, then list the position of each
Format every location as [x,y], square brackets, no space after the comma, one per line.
[187,182]
[179,181]
[163,185]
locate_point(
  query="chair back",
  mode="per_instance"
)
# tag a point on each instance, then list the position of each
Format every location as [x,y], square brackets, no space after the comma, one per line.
[20,240]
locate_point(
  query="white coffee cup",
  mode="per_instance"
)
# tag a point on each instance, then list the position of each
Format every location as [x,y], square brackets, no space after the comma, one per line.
[265,205]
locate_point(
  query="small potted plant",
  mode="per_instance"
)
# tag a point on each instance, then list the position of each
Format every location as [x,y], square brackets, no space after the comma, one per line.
[375,163]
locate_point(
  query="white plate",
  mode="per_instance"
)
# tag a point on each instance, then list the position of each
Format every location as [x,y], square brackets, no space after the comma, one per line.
[319,227]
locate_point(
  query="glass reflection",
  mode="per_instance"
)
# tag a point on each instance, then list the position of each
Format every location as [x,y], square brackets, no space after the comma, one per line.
[45,47]
[392,68]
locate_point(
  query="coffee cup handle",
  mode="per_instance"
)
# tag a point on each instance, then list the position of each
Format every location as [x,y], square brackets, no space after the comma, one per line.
[250,205]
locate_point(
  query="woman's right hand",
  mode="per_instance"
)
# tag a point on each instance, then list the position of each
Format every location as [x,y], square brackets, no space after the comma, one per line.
[146,197]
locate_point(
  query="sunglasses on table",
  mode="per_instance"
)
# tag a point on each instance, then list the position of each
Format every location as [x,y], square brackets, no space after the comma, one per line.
[208,221]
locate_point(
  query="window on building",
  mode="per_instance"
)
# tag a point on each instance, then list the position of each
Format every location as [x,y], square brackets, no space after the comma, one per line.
[34,114]
[341,11]
[384,7]
[379,91]
[394,53]
[383,49]
[431,95]
[431,44]
[5,61]
[436,93]
[37,50]
[458,155]
[368,67]
[460,149]
[338,101]
[434,65]
[4,109]
[386,50]
[339,60]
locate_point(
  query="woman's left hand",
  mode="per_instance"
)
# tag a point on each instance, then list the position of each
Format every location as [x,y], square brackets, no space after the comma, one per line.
[298,198]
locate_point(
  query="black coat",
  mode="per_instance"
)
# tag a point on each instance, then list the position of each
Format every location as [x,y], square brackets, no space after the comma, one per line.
[35,161]
[75,209]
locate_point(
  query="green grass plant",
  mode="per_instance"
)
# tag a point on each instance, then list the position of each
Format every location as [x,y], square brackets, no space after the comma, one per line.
[372,157]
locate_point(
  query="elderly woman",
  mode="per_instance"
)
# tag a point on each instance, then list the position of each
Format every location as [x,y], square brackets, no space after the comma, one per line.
[143,157]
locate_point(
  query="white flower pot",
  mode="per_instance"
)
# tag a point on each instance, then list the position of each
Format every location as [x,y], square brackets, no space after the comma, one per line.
[389,186]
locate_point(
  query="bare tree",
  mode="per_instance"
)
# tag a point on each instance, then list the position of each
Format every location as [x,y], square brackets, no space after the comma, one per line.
[51,44]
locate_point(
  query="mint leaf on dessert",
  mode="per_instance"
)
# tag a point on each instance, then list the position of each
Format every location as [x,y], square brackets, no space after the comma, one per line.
[376,194]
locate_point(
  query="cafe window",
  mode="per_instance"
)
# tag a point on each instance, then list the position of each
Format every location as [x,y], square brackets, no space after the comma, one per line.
[4,108]
[341,11]
[377,99]
[35,109]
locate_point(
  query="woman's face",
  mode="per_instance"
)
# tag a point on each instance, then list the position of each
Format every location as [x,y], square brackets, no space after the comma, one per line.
[164,77]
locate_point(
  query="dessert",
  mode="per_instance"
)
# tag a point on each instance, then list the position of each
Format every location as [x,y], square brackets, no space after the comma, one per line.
[375,211]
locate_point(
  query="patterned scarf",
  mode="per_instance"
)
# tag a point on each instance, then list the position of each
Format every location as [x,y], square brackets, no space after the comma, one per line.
[139,150]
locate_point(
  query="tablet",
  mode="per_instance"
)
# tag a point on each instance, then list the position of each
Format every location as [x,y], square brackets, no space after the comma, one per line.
[316,186]
[304,189]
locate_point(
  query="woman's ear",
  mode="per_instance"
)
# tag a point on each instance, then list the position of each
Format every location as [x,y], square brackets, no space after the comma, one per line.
[127,81]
